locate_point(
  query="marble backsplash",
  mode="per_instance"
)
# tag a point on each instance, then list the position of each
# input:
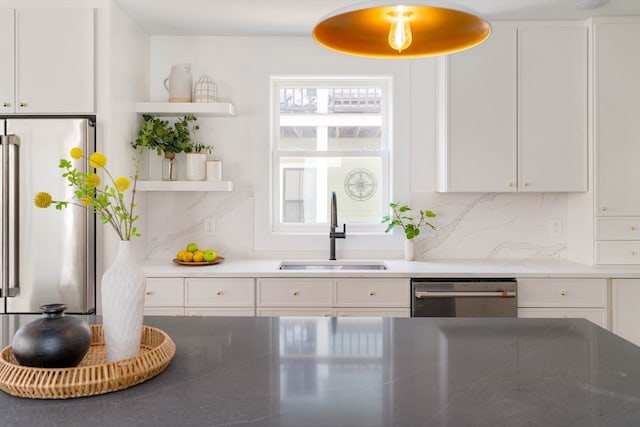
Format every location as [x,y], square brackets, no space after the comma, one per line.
[478,226]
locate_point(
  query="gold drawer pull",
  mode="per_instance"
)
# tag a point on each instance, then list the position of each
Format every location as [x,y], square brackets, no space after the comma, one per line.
[603,209]
[634,253]
[23,104]
[372,293]
[6,104]
[526,184]
[219,293]
[633,228]
[295,293]
[326,314]
[563,292]
[148,293]
[509,184]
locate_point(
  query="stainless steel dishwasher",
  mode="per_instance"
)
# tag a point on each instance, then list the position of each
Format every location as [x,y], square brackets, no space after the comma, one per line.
[464,297]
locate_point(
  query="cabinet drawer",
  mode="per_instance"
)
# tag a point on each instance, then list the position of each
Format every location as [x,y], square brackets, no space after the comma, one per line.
[627,228]
[618,252]
[164,292]
[372,293]
[218,292]
[295,292]
[595,315]
[562,293]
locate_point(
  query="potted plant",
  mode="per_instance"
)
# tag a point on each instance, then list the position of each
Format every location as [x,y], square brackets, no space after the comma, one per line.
[410,227]
[165,139]
[197,161]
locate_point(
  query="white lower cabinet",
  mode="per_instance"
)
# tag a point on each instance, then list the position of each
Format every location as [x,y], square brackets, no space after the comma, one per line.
[164,296]
[333,297]
[220,296]
[625,299]
[582,298]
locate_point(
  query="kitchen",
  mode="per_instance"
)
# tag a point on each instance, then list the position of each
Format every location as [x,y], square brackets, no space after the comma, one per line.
[488,233]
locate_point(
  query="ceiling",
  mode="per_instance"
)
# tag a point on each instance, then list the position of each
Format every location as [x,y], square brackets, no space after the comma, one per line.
[298,17]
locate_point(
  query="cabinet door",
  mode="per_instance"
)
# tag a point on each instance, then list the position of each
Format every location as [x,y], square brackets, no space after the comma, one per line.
[7,65]
[220,292]
[616,108]
[625,313]
[295,293]
[478,152]
[164,292]
[373,293]
[54,60]
[552,107]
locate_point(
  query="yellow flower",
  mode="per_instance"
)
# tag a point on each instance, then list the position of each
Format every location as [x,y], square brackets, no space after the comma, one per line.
[92,180]
[42,200]
[76,153]
[87,201]
[98,160]
[122,183]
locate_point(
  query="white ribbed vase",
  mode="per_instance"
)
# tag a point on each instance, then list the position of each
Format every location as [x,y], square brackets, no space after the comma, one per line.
[122,304]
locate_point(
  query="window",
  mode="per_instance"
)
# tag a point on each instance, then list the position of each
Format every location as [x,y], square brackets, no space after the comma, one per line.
[330,135]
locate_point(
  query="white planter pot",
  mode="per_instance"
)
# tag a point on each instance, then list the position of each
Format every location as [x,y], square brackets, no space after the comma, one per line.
[196,166]
[409,250]
[122,305]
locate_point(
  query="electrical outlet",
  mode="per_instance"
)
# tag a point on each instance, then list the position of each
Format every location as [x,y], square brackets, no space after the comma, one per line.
[209,225]
[555,227]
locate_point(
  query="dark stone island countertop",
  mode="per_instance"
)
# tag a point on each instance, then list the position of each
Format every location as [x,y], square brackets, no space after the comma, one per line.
[367,372]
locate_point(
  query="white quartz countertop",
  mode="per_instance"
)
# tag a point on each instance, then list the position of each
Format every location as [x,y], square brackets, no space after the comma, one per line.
[396,268]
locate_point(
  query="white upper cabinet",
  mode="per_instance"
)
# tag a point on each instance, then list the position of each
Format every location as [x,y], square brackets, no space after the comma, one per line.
[514,111]
[52,50]
[552,108]
[617,113]
[7,65]
[477,150]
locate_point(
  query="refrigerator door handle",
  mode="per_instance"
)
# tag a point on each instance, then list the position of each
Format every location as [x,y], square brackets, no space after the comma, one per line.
[10,215]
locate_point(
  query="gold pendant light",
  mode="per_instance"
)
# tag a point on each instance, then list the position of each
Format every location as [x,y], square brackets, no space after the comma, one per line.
[406,30]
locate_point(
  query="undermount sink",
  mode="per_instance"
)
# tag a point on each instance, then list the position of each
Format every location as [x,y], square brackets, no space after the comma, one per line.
[332,265]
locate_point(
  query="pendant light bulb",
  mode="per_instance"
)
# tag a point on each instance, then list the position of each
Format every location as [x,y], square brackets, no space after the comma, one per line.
[400,36]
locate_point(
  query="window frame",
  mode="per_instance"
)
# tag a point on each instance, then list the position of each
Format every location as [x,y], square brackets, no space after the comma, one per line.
[385,153]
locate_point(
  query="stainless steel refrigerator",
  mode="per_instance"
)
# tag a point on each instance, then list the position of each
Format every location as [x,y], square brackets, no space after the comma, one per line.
[48,255]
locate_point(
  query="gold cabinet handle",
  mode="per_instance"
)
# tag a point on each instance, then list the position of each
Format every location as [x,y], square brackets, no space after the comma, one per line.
[633,228]
[372,293]
[603,209]
[219,293]
[563,292]
[326,314]
[634,253]
[509,184]
[148,293]
[23,104]
[6,104]
[295,293]
[526,184]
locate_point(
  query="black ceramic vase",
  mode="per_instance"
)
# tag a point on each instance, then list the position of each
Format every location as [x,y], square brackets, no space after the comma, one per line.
[53,341]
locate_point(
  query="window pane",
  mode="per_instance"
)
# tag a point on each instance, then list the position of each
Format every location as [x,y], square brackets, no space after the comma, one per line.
[307,183]
[334,119]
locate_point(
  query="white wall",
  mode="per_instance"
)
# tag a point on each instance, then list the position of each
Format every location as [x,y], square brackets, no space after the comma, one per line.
[469,225]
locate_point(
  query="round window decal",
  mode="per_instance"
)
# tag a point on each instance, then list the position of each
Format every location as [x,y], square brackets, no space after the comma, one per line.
[360,184]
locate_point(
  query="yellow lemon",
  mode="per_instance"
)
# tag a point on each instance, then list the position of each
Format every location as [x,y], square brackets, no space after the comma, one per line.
[198,256]
[188,256]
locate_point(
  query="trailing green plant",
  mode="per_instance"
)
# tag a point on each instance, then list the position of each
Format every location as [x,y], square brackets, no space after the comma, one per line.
[160,136]
[401,218]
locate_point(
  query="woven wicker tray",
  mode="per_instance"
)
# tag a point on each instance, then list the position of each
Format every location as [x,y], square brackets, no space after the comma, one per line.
[93,375]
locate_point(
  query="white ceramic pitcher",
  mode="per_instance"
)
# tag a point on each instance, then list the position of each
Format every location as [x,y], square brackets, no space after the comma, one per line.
[179,83]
